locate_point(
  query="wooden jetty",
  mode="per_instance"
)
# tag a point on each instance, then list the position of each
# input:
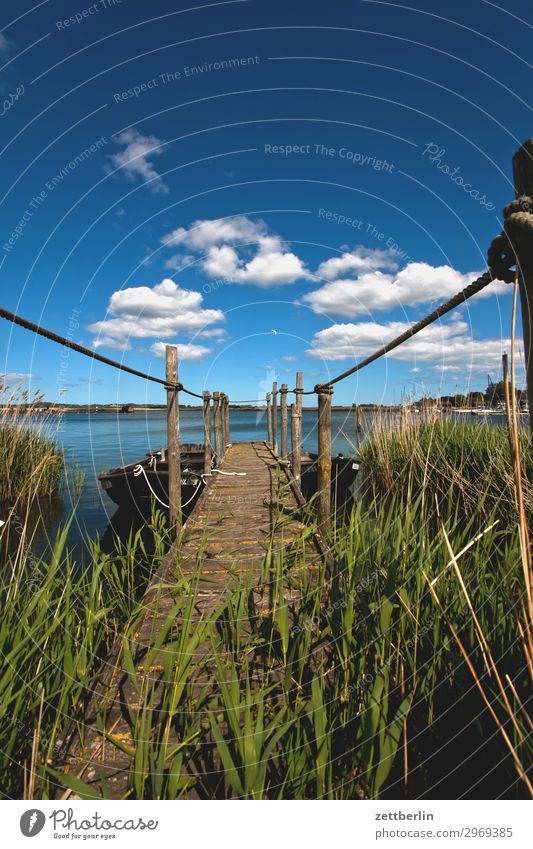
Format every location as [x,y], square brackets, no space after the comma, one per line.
[249,507]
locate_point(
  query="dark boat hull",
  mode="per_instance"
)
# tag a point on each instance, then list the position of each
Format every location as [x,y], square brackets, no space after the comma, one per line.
[127,489]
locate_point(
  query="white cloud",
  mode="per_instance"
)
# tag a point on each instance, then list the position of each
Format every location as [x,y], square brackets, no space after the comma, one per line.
[203,234]
[135,162]
[111,342]
[418,283]
[359,260]
[179,262]
[448,345]
[272,264]
[185,352]
[159,312]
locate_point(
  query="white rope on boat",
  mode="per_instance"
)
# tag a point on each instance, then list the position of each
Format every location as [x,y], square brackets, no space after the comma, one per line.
[138,470]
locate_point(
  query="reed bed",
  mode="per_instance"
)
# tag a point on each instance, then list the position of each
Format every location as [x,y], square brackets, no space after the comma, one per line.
[30,464]
[467,461]
[410,678]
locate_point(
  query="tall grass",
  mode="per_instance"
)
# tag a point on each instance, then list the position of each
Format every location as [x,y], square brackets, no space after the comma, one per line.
[411,680]
[30,463]
[467,461]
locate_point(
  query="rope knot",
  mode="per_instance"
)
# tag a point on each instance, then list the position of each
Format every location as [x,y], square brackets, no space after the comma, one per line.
[519,221]
[501,259]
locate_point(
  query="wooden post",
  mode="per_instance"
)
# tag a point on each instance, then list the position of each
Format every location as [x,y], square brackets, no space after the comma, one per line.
[228,435]
[296,429]
[284,438]
[173,437]
[223,420]
[324,458]
[275,417]
[216,417]
[358,423]
[269,419]
[523,183]
[207,433]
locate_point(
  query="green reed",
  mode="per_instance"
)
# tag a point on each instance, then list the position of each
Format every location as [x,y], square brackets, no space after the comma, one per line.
[307,695]
[30,463]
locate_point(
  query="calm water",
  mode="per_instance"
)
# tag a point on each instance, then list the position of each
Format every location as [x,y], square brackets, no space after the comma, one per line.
[101,441]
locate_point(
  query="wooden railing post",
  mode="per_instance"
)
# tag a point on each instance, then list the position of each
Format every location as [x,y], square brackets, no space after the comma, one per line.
[324,458]
[284,437]
[228,435]
[216,419]
[269,419]
[275,417]
[523,183]
[224,420]
[173,437]
[296,429]
[207,433]
[358,423]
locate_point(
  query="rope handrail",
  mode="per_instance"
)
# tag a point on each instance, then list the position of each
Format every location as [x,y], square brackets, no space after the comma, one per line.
[80,349]
[462,296]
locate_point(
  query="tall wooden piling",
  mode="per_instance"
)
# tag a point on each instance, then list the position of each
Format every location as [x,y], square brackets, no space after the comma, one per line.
[284,435]
[173,438]
[324,458]
[269,419]
[296,429]
[358,423]
[226,410]
[275,417]
[216,420]
[207,433]
[223,420]
[523,182]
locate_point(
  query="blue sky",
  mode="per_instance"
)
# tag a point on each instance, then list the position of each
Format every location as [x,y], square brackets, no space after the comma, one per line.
[272,187]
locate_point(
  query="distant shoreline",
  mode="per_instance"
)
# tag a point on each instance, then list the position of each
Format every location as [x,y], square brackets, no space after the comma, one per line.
[95,409]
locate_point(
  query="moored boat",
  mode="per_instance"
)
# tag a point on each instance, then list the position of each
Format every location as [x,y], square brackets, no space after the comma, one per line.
[137,484]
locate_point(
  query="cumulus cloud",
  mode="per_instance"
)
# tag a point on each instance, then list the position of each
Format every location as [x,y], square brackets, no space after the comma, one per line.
[448,345]
[376,290]
[159,312]
[134,159]
[203,234]
[240,250]
[179,262]
[186,351]
[359,260]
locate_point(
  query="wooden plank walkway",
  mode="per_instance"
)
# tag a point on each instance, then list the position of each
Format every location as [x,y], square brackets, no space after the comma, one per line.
[247,508]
